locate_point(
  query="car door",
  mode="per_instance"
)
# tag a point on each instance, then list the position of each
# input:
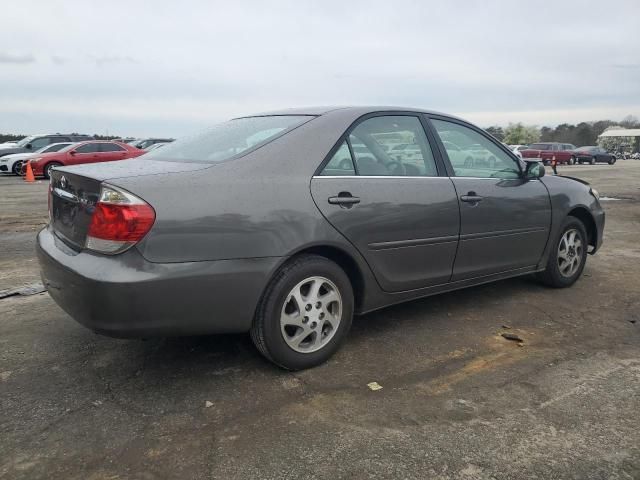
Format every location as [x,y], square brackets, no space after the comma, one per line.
[504,218]
[400,211]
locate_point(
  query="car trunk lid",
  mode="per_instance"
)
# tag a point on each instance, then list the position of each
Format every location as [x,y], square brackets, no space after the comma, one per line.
[72,201]
[74,191]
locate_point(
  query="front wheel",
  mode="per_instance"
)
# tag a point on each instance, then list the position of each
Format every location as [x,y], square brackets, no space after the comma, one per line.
[612,161]
[304,314]
[572,160]
[568,257]
[592,161]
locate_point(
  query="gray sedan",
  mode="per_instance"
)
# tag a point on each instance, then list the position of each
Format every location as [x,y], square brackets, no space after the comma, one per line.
[275,224]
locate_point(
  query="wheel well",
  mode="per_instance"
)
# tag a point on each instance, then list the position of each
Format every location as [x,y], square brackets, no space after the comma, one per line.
[585,217]
[347,263]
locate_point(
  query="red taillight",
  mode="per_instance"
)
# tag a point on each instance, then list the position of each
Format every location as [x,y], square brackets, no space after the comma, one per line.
[119,221]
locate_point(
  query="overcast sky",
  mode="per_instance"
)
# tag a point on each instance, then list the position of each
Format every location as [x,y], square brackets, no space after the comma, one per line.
[168,68]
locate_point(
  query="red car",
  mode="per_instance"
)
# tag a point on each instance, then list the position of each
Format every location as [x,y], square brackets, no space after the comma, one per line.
[83,152]
[546,151]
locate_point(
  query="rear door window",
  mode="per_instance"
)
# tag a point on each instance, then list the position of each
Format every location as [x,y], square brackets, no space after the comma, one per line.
[341,162]
[110,147]
[392,145]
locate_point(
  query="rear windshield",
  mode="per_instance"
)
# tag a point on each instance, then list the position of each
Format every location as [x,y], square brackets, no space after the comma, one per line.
[229,139]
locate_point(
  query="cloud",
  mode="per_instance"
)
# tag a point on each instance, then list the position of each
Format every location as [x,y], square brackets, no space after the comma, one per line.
[173,67]
[16,58]
[112,59]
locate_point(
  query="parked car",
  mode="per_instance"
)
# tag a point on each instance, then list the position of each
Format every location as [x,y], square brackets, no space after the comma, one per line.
[147,142]
[593,155]
[546,151]
[36,142]
[517,149]
[13,163]
[78,153]
[220,233]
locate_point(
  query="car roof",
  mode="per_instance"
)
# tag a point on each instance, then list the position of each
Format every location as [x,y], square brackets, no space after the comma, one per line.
[361,110]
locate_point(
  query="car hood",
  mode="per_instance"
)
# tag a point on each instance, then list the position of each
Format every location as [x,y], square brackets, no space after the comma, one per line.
[584,182]
[17,156]
[134,167]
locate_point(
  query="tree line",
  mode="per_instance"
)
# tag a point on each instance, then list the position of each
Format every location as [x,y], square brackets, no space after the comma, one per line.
[584,133]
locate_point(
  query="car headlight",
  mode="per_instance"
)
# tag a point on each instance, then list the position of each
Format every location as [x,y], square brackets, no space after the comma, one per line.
[595,193]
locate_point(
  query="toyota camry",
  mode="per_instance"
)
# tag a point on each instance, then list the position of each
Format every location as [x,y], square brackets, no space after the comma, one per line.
[287,224]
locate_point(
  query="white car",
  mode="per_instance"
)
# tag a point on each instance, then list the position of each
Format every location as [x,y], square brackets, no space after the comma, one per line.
[516,149]
[12,163]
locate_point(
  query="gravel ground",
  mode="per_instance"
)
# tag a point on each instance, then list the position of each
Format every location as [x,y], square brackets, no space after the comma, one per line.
[457,399]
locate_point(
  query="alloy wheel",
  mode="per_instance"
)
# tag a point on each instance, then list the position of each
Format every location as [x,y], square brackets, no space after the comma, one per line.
[311,314]
[570,253]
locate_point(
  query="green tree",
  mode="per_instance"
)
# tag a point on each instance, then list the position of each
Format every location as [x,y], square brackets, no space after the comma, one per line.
[519,134]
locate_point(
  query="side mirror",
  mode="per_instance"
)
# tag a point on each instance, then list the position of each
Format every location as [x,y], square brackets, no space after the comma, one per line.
[72,152]
[28,146]
[534,170]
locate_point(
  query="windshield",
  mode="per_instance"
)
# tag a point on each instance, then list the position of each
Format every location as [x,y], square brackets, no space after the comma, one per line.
[22,143]
[228,139]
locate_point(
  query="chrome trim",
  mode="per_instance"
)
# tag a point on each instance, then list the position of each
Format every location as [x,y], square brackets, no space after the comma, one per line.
[417,242]
[66,195]
[495,179]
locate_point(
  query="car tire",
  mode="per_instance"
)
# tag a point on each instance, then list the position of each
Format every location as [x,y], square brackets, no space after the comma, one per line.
[565,264]
[46,171]
[295,294]
[592,161]
[17,166]
[572,161]
[612,161]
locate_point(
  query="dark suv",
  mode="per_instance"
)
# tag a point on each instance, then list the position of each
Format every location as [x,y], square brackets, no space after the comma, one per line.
[36,142]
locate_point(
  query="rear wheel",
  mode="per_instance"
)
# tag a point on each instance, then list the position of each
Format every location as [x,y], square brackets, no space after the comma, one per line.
[48,167]
[592,161]
[305,313]
[568,256]
[612,160]
[572,160]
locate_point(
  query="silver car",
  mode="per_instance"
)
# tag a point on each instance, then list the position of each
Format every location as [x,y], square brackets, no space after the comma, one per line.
[274,224]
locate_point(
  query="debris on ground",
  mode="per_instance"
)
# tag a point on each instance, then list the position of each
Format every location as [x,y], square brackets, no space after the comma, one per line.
[374,386]
[26,290]
[506,326]
[208,404]
[512,336]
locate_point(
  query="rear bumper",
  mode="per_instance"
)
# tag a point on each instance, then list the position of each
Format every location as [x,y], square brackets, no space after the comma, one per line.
[127,296]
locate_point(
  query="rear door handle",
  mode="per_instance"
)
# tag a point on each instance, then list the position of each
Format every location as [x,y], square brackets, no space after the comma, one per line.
[344,199]
[471,197]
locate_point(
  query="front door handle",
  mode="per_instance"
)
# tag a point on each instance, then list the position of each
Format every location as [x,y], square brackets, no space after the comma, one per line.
[471,197]
[344,199]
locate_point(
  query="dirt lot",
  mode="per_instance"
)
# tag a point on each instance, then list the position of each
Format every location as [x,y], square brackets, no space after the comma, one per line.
[458,400]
